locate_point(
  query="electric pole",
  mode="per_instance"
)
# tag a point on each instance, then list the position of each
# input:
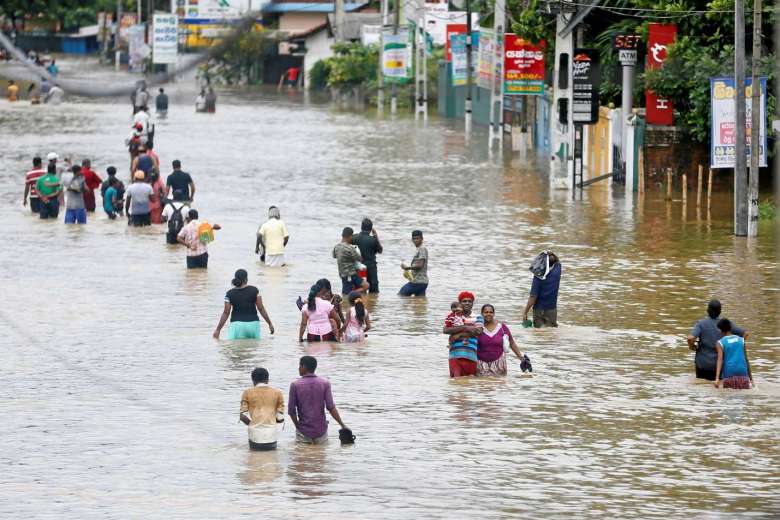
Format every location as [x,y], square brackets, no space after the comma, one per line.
[469,69]
[394,86]
[755,124]
[740,166]
[380,79]
[338,21]
[117,52]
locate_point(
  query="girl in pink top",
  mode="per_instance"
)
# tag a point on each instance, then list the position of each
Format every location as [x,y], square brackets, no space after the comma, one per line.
[358,322]
[318,317]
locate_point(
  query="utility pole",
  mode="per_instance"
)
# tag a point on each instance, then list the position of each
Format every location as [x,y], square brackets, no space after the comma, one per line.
[740,166]
[117,52]
[338,21]
[139,9]
[469,69]
[420,63]
[394,86]
[497,79]
[755,124]
[380,79]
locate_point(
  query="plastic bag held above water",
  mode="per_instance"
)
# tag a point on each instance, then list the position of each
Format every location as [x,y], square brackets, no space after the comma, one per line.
[540,267]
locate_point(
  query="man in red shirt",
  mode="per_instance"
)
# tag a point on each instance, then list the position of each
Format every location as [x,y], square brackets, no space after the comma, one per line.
[92,181]
[30,178]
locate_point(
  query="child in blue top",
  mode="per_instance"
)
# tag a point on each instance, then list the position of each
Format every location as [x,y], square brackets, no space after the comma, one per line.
[732,359]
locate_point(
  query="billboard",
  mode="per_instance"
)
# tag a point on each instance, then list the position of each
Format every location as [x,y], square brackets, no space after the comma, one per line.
[215,9]
[723,127]
[486,53]
[523,67]
[165,38]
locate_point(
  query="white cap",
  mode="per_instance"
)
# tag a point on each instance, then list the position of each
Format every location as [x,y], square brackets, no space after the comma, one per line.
[52,156]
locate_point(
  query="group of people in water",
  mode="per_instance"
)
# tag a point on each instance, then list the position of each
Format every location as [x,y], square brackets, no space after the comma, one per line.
[477,344]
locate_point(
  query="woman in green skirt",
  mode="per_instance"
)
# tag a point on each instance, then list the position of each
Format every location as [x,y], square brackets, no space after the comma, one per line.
[242,303]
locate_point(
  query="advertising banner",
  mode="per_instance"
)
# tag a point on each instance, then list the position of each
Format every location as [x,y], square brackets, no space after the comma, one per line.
[723,129]
[396,56]
[165,38]
[216,9]
[127,21]
[659,37]
[459,61]
[523,67]
[487,55]
[585,86]
[138,50]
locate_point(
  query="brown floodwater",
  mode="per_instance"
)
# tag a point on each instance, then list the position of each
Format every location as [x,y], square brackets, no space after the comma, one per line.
[116,402]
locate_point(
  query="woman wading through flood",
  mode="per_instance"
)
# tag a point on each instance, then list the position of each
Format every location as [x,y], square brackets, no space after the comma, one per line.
[495,340]
[242,303]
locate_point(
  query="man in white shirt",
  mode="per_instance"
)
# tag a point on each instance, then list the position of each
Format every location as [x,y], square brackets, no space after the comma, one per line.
[272,237]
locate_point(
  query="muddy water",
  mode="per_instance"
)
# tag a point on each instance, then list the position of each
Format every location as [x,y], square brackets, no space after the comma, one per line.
[117,403]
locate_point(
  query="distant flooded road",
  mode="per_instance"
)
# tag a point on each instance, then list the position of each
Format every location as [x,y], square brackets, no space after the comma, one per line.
[117,403]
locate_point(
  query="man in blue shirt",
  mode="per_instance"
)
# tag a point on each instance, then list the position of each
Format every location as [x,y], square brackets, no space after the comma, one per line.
[544,295]
[703,339]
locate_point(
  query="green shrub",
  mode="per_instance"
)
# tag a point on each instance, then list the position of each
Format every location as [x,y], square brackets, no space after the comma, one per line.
[319,74]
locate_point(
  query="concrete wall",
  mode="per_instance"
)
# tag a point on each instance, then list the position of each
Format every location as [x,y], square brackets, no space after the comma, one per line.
[318,47]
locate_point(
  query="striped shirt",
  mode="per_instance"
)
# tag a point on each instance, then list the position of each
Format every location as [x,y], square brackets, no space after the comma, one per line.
[30,178]
[466,348]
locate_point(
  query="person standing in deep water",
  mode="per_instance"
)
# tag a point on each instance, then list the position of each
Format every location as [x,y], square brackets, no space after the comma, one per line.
[419,268]
[161,103]
[262,409]
[544,295]
[733,368]
[272,236]
[242,304]
[309,397]
[368,243]
[704,338]
[347,257]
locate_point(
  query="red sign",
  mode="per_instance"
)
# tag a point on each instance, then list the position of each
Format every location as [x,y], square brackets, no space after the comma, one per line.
[453,28]
[660,36]
[523,66]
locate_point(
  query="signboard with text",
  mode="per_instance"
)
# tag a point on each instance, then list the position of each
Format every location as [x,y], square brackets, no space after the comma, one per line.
[459,58]
[396,56]
[523,67]
[723,129]
[659,110]
[165,38]
[585,86]
[486,54]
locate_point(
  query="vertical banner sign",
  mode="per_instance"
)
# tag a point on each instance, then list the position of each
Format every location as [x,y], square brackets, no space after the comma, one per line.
[459,61]
[659,37]
[486,54]
[396,57]
[585,86]
[453,28]
[137,48]
[127,21]
[165,38]
[523,67]
[723,129]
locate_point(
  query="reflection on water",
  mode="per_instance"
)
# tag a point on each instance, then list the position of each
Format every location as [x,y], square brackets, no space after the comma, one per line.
[118,401]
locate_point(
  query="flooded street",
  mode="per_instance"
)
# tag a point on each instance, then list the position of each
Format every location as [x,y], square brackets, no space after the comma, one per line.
[117,403]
